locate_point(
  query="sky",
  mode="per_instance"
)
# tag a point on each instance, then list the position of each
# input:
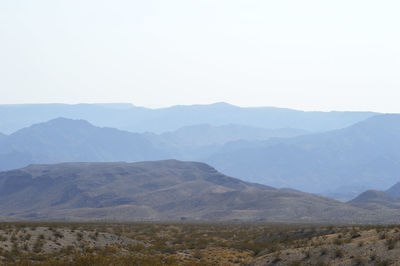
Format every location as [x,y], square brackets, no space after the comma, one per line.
[309,55]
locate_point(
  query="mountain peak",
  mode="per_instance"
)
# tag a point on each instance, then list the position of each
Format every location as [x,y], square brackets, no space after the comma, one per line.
[57,124]
[66,121]
[223,104]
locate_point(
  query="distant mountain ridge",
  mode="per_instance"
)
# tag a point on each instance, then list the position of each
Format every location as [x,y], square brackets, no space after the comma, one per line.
[158,191]
[139,119]
[366,154]
[343,162]
[66,140]
[394,190]
[205,134]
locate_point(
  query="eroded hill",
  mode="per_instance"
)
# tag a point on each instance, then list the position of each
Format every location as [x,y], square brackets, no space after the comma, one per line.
[158,191]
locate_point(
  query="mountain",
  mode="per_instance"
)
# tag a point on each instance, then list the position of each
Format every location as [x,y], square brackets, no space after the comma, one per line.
[200,141]
[375,200]
[206,135]
[157,191]
[66,140]
[138,119]
[394,191]
[364,155]
[341,162]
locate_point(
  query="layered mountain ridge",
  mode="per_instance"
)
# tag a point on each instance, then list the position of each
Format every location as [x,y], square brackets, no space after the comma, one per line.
[66,140]
[364,155]
[346,161]
[139,119]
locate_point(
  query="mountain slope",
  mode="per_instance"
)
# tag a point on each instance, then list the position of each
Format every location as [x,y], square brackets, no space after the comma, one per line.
[65,140]
[366,154]
[138,119]
[394,190]
[375,200]
[161,190]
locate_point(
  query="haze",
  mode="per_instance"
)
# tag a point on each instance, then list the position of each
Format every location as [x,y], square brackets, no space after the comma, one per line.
[310,55]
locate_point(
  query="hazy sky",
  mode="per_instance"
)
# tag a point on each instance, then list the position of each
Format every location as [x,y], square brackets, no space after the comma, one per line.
[312,55]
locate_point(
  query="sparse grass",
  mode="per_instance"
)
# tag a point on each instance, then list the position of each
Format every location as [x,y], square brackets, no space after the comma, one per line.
[358,260]
[391,243]
[192,243]
[339,253]
[373,256]
[296,263]
[324,251]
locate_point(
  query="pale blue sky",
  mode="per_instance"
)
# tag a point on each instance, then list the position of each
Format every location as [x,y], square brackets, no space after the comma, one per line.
[311,55]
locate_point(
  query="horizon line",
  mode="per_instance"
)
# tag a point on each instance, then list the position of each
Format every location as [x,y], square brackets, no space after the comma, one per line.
[194,104]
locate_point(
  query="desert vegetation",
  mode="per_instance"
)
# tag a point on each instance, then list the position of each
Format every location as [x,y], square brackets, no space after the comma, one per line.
[196,244]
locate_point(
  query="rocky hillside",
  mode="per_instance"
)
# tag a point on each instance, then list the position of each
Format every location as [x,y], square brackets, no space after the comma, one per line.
[157,191]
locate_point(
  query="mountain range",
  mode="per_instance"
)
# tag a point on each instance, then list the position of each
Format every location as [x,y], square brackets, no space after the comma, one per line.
[159,191]
[66,140]
[364,155]
[341,162]
[122,164]
[205,135]
[139,119]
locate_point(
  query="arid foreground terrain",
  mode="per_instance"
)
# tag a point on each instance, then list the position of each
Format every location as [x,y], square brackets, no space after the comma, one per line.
[197,244]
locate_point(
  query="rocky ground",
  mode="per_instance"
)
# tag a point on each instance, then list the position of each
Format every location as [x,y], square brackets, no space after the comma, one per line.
[358,246]
[197,244]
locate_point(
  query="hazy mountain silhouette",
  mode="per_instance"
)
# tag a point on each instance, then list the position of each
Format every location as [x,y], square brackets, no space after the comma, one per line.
[162,190]
[351,160]
[366,154]
[394,190]
[205,134]
[65,140]
[201,141]
[138,119]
